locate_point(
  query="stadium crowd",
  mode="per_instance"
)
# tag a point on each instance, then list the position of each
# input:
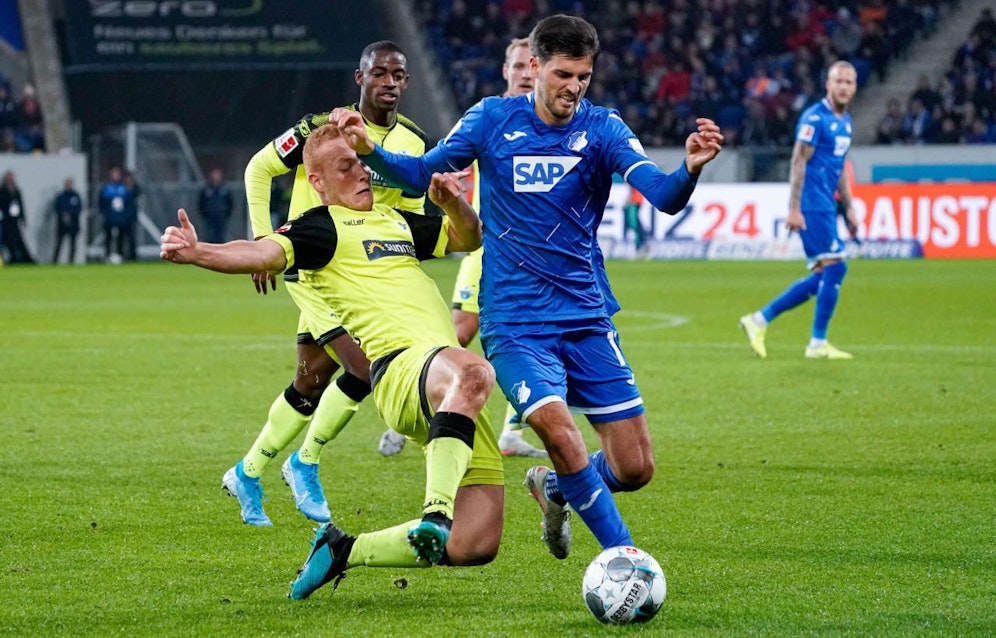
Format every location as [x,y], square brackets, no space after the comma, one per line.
[751,65]
[960,108]
[21,126]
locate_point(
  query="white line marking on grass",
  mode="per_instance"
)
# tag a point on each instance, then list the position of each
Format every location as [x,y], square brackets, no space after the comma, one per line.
[887,347]
[646,320]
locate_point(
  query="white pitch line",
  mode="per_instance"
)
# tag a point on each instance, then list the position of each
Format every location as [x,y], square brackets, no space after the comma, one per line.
[659,320]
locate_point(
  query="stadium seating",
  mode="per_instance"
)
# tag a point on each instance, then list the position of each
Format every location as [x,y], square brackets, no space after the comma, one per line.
[666,62]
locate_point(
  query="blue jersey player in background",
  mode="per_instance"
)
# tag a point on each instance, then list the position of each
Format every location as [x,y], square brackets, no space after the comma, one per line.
[546,160]
[822,139]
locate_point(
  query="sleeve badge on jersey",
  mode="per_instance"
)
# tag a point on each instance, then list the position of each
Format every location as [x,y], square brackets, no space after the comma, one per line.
[286,143]
[806,132]
[635,144]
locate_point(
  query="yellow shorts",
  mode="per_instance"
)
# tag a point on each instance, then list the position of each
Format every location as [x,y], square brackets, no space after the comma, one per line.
[317,321]
[400,397]
[468,283]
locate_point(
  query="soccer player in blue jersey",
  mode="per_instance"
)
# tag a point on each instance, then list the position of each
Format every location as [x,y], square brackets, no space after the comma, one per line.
[546,160]
[822,138]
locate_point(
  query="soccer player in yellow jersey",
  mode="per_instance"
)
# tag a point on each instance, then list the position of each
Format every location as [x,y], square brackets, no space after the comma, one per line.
[466,311]
[363,258]
[322,345]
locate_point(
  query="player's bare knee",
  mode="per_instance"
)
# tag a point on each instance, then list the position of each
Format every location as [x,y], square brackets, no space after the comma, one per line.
[313,374]
[635,476]
[475,381]
[311,385]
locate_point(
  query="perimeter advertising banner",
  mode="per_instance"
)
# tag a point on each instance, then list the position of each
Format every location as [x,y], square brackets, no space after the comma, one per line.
[747,221]
[171,34]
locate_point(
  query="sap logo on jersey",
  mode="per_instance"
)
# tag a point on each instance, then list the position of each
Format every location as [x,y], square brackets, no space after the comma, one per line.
[540,173]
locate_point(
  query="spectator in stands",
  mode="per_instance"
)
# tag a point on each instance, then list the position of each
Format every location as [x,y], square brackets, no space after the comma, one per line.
[461,27]
[981,133]
[216,203]
[807,33]
[8,110]
[971,92]
[916,123]
[68,207]
[7,142]
[875,49]
[926,93]
[890,127]
[947,132]
[873,11]
[970,50]
[985,28]
[28,110]
[904,22]
[13,222]
[847,34]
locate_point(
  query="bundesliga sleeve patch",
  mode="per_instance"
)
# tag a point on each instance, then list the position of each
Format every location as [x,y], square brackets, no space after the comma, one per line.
[806,132]
[636,146]
[286,143]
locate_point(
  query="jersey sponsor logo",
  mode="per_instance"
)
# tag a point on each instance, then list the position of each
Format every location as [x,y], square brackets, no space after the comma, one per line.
[514,135]
[378,248]
[540,173]
[806,132]
[577,140]
[840,145]
[286,143]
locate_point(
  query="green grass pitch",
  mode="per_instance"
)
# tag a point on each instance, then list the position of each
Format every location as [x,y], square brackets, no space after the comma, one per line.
[792,497]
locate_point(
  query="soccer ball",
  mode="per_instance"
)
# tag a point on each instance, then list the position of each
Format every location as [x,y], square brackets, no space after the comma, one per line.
[623,585]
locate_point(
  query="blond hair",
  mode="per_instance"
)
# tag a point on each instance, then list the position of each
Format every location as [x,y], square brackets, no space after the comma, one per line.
[318,137]
[513,45]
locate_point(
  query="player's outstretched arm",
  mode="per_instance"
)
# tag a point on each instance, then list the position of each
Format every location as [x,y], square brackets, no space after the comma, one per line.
[180,245]
[703,145]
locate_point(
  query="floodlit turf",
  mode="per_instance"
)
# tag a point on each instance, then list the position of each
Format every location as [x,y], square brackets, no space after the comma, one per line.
[792,497]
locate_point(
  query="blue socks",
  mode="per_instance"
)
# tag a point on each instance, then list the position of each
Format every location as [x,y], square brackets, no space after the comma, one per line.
[826,297]
[601,465]
[796,294]
[589,492]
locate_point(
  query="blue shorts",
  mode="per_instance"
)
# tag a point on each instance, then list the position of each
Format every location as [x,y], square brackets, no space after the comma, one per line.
[576,362]
[820,240]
